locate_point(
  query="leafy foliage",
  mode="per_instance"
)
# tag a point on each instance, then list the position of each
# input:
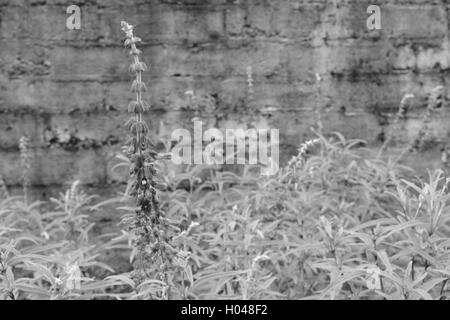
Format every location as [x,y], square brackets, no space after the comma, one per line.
[336,223]
[47,253]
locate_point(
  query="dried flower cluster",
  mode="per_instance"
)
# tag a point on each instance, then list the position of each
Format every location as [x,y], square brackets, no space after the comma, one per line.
[400,115]
[25,158]
[4,194]
[318,109]
[151,230]
[434,100]
[302,151]
[250,83]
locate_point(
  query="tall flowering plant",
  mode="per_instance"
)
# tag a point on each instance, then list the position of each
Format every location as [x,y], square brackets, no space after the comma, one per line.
[152,231]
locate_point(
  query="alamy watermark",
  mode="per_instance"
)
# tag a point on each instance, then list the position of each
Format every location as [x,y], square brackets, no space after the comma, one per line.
[73,281]
[70,278]
[374,20]
[73,22]
[236,146]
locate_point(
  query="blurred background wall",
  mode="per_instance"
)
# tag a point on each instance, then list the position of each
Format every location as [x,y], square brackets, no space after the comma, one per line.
[68,90]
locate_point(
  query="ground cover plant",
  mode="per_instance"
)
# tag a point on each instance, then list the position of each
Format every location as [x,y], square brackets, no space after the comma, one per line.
[339,221]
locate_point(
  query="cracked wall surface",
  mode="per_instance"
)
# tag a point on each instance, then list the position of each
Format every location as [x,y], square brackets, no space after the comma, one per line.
[68,90]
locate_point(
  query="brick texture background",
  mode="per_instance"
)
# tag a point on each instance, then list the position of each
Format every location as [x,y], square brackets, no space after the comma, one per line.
[68,90]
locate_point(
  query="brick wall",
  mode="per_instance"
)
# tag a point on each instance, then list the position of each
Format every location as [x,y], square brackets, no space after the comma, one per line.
[68,90]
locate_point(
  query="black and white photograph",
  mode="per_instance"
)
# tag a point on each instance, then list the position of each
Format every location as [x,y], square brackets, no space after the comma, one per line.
[224,155]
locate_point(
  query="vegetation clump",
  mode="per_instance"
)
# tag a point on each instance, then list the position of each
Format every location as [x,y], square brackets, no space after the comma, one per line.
[337,222]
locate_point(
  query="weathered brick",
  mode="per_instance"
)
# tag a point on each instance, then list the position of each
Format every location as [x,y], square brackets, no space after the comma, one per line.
[69,90]
[415,21]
